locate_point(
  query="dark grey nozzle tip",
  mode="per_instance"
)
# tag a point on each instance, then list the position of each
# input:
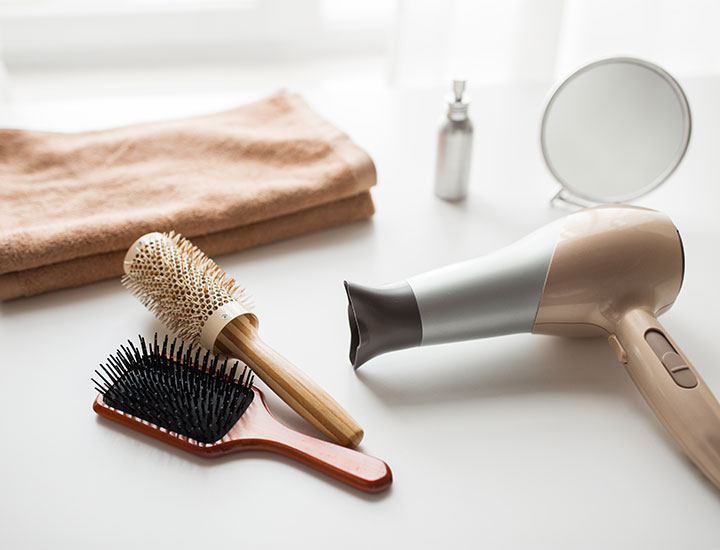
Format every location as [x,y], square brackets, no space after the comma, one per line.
[381,320]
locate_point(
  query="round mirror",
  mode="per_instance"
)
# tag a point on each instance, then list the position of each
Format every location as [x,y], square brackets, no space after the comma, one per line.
[615,129]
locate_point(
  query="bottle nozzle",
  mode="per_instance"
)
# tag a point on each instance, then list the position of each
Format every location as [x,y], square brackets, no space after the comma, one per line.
[459,89]
[457,100]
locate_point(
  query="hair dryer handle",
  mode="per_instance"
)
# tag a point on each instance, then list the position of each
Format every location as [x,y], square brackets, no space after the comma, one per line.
[671,386]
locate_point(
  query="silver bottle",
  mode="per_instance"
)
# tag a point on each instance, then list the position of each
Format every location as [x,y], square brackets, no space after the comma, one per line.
[455,135]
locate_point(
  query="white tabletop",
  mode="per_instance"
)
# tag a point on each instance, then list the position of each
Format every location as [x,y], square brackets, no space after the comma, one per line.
[517,441]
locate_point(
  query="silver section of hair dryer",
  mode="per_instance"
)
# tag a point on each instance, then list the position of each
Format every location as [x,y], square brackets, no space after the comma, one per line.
[489,296]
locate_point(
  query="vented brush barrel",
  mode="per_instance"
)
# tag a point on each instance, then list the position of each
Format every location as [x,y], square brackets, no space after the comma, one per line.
[194,298]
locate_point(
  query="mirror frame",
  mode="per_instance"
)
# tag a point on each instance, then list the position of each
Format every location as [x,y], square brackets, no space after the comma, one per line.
[687,130]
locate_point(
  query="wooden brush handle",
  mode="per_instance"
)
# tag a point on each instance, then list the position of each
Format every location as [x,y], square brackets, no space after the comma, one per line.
[259,430]
[239,339]
[358,470]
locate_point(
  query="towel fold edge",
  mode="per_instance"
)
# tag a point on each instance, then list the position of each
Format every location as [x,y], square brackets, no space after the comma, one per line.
[97,267]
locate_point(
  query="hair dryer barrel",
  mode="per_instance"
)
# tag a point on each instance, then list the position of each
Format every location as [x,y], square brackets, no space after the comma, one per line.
[488,296]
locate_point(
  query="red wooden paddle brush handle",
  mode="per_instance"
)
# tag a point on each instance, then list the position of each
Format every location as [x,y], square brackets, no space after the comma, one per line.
[257,429]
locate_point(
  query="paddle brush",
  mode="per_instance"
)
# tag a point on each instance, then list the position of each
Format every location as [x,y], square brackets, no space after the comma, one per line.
[193,402]
[195,299]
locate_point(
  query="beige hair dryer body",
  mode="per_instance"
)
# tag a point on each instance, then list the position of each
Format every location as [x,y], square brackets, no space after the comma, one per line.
[607,271]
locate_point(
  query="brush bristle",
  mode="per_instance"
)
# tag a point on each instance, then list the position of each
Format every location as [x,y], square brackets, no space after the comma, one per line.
[182,286]
[176,388]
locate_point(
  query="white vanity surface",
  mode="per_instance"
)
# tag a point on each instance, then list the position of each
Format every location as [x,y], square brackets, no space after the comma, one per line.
[517,441]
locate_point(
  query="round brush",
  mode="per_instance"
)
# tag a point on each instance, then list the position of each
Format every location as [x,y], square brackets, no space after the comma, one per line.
[195,298]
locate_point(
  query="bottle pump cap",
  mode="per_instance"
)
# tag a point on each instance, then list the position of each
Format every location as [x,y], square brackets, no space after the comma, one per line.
[458,101]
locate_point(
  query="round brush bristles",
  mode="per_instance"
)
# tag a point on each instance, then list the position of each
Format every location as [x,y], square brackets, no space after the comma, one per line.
[179,284]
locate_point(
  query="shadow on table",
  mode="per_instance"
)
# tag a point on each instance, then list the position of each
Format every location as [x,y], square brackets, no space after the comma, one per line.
[485,370]
[537,365]
[58,298]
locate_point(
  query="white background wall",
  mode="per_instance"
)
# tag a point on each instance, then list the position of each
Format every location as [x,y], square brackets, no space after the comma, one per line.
[401,43]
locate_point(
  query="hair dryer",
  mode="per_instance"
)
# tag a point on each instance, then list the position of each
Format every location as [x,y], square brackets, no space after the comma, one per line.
[607,271]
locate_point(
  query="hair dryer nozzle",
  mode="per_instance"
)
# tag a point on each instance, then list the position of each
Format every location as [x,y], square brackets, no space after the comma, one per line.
[381,319]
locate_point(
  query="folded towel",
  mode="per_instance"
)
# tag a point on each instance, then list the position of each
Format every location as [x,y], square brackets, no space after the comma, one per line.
[71,204]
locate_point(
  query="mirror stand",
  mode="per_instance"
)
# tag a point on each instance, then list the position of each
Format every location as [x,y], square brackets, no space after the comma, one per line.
[563,198]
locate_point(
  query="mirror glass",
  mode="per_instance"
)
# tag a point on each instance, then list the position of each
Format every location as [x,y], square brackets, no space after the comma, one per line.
[615,129]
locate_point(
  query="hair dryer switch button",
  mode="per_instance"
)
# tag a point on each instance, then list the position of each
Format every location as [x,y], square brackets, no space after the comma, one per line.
[685,378]
[679,370]
[617,348]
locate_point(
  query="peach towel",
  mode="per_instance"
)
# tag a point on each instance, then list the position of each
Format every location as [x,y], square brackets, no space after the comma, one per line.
[71,204]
